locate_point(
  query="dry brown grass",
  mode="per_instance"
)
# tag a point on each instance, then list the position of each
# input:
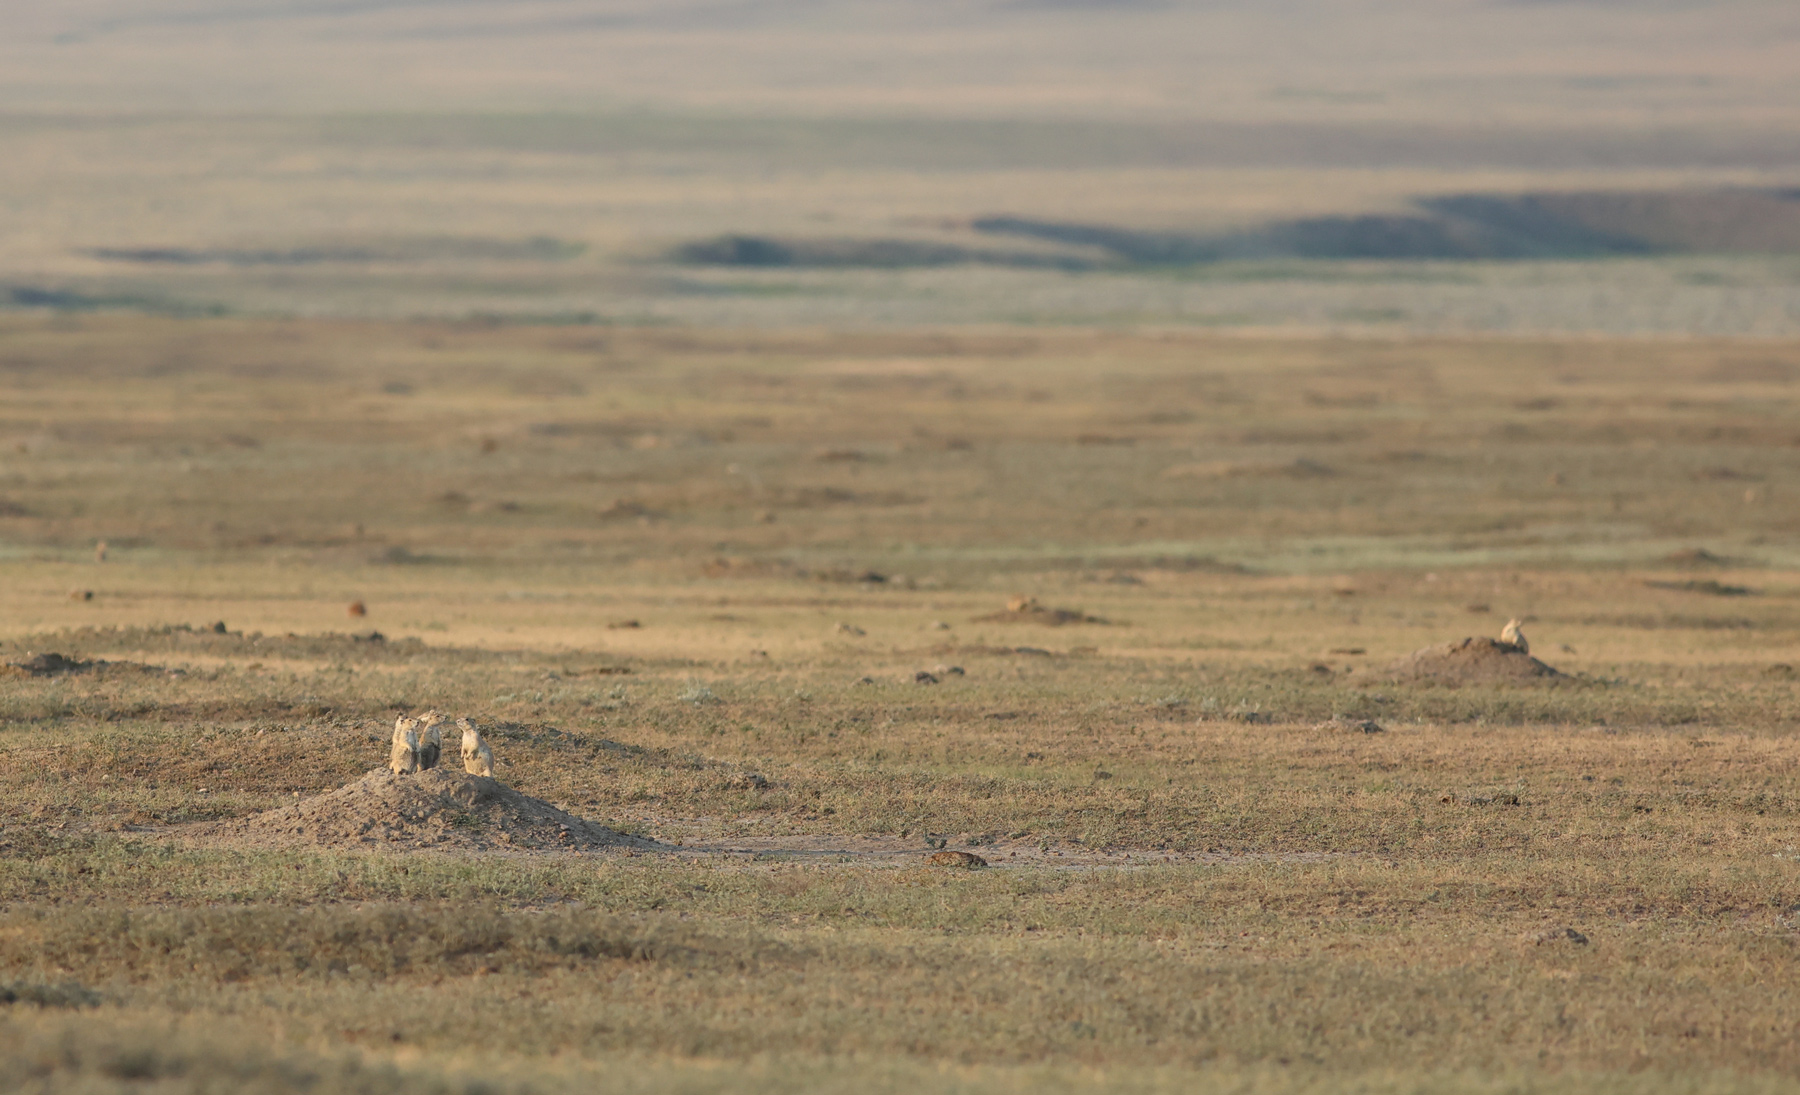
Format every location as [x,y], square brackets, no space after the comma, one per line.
[1205,873]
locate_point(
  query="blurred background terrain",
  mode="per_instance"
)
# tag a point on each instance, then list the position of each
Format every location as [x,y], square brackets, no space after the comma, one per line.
[1308,165]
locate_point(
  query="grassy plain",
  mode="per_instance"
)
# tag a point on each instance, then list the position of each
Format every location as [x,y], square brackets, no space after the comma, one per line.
[1220,889]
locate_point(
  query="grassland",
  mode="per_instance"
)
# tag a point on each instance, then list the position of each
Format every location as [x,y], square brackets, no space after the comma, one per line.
[1200,882]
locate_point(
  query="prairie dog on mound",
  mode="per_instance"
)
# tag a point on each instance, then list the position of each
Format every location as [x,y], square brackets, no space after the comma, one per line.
[431,741]
[478,759]
[1511,634]
[405,757]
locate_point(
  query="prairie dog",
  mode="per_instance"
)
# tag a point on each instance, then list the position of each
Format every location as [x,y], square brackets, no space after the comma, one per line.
[478,759]
[405,756]
[431,741]
[1511,634]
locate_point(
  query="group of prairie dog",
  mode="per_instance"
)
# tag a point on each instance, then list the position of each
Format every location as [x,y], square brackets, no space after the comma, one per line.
[418,744]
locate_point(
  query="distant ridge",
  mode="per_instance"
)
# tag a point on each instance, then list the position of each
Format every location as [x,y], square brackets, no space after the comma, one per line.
[1547,225]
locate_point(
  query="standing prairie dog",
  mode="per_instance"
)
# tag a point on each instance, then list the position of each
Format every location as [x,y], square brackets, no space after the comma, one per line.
[431,741]
[405,757]
[1511,634]
[478,759]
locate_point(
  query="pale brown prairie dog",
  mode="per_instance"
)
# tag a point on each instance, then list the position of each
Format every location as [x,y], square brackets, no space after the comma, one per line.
[478,759]
[405,757]
[1511,634]
[431,741]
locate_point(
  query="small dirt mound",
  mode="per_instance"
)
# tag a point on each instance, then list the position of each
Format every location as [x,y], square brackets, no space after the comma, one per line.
[435,809]
[1468,661]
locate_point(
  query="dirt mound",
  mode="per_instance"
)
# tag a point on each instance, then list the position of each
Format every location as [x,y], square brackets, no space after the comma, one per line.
[1468,661]
[437,809]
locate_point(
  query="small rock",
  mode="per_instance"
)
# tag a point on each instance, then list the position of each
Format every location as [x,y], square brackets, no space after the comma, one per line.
[922,677]
[865,680]
[623,625]
[967,861]
[948,670]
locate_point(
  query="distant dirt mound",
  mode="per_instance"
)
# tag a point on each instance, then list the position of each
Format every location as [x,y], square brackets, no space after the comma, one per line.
[1469,661]
[436,809]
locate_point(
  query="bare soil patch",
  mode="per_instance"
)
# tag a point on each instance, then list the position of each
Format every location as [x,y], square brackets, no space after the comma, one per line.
[1026,610]
[434,809]
[1469,661]
[52,664]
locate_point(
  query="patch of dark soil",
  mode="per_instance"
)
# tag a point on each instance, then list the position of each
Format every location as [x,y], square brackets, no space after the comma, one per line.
[1360,726]
[1644,621]
[337,647]
[1026,610]
[978,650]
[1702,585]
[436,809]
[52,664]
[1696,557]
[63,994]
[1468,661]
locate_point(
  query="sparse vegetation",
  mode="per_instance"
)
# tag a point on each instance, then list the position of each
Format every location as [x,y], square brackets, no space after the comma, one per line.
[1226,851]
